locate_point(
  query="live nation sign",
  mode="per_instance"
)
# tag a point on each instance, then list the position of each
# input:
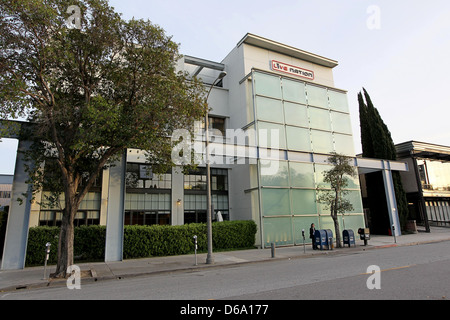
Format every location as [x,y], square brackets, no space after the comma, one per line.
[292,70]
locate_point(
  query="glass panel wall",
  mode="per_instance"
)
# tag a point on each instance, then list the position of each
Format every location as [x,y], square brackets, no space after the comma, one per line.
[306,118]
[294,91]
[296,114]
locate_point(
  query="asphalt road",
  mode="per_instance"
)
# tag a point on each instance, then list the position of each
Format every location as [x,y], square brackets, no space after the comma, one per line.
[406,273]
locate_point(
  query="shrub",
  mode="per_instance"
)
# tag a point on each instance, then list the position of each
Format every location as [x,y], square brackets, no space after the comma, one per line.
[142,241]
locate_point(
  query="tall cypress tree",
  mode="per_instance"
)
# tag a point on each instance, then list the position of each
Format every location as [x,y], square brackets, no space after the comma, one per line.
[366,137]
[377,143]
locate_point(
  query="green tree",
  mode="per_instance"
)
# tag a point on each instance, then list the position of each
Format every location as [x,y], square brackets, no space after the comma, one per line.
[334,199]
[376,141]
[91,85]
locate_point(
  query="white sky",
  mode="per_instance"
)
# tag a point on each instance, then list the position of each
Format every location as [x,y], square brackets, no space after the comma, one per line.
[404,65]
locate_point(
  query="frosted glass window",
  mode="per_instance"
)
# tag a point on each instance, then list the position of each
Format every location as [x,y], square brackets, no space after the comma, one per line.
[302,174]
[319,171]
[303,201]
[296,114]
[353,182]
[298,139]
[355,199]
[275,202]
[344,144]
[304,223]
[317,96]
[319,119]
[280,179]
[294,91]
[322,142]
[269,109]
[338,101]
[278,231]
[341,122]
[271,135]
[267,85]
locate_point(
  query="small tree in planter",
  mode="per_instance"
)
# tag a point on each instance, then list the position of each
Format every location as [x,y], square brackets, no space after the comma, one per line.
[334,198]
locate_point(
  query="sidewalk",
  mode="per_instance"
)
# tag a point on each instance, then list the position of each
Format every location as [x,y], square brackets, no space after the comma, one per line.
[28,278]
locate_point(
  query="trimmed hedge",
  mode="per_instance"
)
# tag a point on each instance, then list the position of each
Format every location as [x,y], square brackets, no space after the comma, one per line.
[142,241]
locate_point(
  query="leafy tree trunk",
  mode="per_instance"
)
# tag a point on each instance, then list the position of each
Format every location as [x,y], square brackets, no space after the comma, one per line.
[334,216]
[66,236]
[65,245]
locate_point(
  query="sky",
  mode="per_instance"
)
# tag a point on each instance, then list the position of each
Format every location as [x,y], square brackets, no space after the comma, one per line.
[397,50]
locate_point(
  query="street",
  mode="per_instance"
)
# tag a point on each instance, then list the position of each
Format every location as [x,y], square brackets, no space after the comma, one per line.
[406,273]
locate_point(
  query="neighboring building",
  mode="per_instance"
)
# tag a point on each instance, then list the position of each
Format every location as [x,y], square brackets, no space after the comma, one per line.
[427,183]
[282,105]
[6,182]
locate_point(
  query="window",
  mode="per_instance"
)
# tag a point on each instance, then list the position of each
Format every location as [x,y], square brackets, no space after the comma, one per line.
[196,179]
[5,194]
[296,114]
[298,139]
[142,218]
[147,208]
[341,122]
[301,175]
[294,91]
[267,85]
[52,218]
[148,198]
[319,119]
[271,135]
[217,126]
[275,202]
[322,141]
[195,195]
[140,176]
[344,144]
[317,96]
[338,101]
[269,109]
[88,211]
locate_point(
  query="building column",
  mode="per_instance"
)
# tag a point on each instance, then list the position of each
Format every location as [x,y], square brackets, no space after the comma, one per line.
[390,198]
[177,193]
[115,215]
[16,238]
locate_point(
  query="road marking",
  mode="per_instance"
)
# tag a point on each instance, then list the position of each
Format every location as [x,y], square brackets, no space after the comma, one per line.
[396,268]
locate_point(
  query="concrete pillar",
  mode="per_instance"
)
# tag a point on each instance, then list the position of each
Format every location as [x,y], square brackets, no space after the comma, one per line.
[177,193]
[390,198]
[115,215]
[15,246]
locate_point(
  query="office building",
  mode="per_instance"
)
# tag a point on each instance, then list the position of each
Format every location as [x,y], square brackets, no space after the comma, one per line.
[427,183]
[275,119]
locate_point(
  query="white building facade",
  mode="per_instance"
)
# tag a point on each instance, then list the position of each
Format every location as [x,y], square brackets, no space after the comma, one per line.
[275,119]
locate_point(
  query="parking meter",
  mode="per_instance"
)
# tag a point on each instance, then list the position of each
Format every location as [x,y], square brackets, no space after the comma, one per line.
[47,250]
[393,233]
[47,255]
[303,235]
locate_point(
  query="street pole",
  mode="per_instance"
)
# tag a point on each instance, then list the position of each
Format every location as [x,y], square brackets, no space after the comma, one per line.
[209,256]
